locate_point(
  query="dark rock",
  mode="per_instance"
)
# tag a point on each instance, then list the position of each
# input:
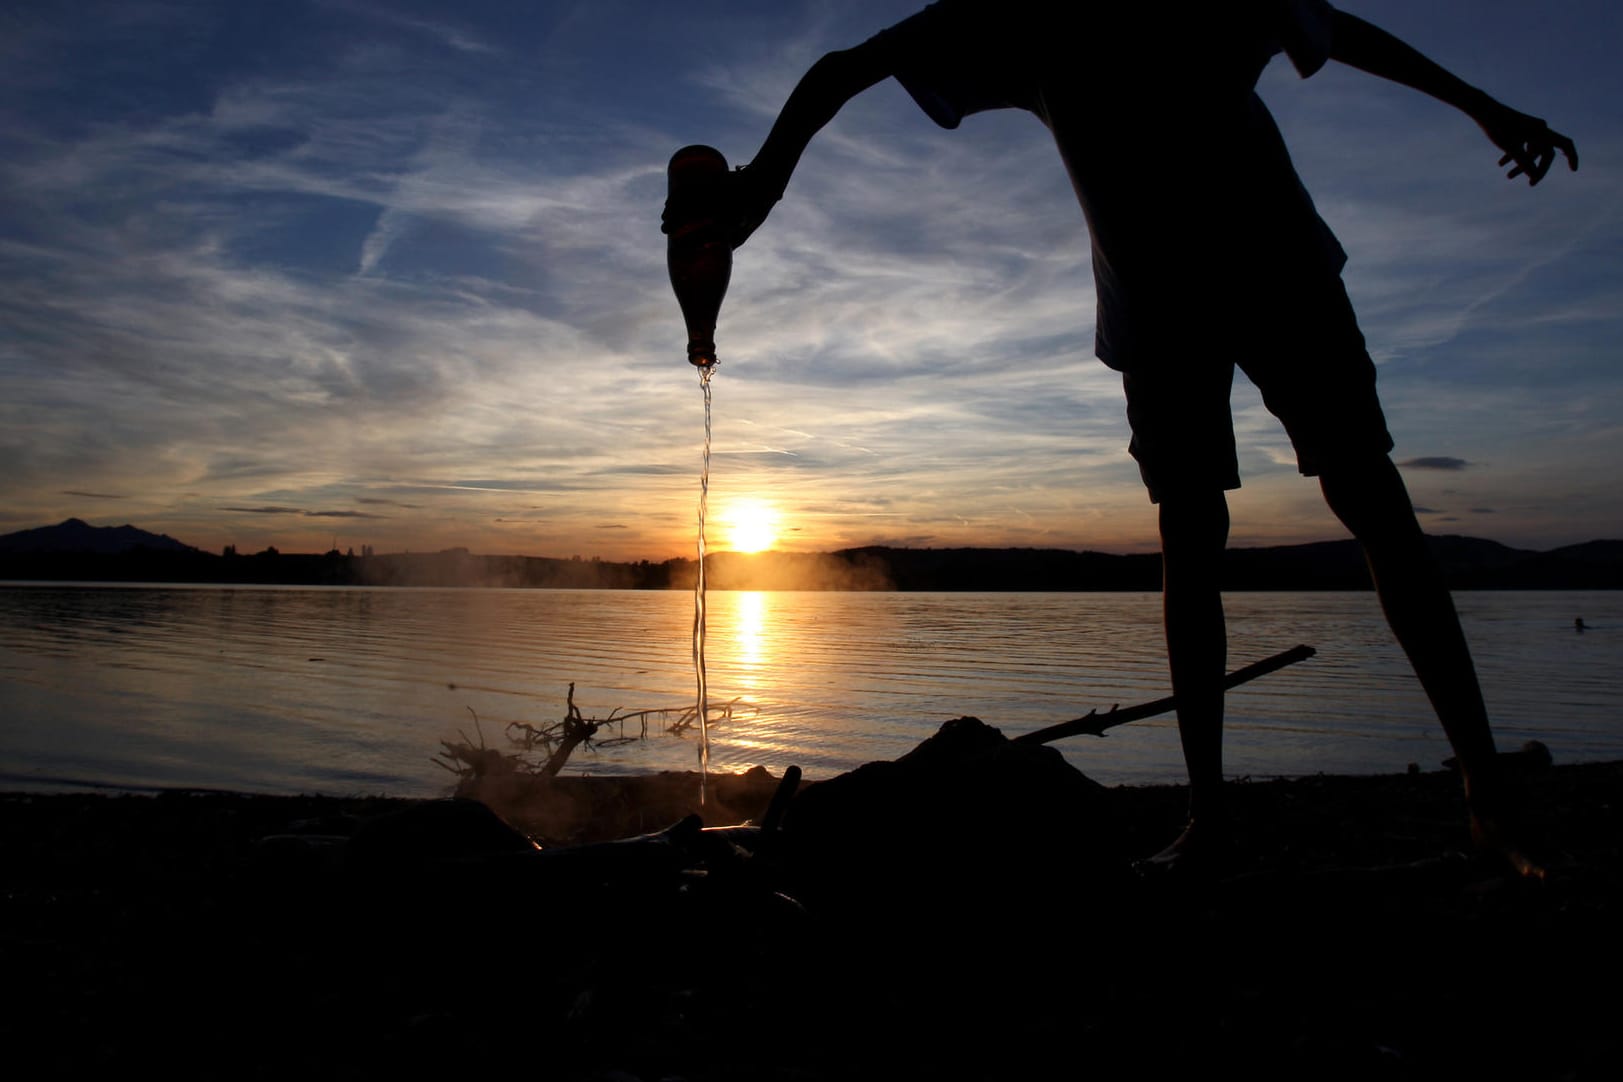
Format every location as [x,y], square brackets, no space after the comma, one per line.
[968,823]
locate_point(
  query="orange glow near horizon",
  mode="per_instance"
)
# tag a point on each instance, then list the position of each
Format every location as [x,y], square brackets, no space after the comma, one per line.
[752,526]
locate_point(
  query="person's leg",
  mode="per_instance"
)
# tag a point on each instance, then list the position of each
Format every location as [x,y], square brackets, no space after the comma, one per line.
[1194,531]
[1370,499]
[1183,439]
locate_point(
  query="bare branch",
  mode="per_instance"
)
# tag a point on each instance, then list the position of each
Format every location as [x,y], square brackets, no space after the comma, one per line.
[1095,723]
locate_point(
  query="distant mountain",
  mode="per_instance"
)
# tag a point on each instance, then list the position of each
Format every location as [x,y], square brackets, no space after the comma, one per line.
[1339,565]
[78,536]
[1597,552]
[1593,565]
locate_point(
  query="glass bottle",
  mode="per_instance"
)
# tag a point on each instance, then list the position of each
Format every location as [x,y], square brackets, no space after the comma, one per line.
[698,252]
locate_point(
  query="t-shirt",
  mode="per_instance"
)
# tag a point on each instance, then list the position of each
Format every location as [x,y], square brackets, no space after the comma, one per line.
[1195,211]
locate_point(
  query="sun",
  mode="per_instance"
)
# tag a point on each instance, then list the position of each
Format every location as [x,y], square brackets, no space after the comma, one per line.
[752,525]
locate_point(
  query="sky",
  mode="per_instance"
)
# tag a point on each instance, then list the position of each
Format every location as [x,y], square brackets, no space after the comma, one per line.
[367,272]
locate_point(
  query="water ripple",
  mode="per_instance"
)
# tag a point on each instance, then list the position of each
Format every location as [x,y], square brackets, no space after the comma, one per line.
[344,690]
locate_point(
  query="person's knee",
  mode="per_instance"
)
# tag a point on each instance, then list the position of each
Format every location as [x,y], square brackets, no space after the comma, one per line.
[1194,523]
[1370,499]
[1362,489]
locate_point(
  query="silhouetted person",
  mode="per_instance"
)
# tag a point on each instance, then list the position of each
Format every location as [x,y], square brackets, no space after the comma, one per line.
[1207,252]
[1579,626]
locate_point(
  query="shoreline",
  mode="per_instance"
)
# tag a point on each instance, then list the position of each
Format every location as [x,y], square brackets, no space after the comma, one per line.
[1348,937]
[1323,564]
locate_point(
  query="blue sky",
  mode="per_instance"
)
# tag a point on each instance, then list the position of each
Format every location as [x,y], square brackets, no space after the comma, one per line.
[390,274]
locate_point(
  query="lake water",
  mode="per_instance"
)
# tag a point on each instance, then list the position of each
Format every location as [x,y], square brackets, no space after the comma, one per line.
[350,690]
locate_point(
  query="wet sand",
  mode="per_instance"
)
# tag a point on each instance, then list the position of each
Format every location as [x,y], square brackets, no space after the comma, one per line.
[220,935]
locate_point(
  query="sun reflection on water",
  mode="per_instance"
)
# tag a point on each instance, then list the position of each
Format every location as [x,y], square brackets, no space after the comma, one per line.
[751,640]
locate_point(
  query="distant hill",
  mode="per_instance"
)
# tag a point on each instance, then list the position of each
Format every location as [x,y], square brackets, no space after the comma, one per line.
[76,551]
[1593,565]
[1468,563]
[78,536]
[1006,569]
[1339,565]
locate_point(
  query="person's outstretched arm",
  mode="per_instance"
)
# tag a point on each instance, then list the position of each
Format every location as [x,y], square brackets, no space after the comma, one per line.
[1527,141]
[821,93]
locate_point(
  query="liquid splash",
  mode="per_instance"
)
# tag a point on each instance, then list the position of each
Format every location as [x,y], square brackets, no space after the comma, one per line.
[703,705]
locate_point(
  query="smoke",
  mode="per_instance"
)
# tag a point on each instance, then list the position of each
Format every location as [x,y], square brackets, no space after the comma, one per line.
[790,571]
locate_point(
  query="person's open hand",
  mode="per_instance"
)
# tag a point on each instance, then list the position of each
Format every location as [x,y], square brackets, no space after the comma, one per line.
[1530,146]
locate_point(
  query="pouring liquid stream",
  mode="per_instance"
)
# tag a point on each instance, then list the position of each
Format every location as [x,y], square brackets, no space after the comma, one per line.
[703,704]
[699,256]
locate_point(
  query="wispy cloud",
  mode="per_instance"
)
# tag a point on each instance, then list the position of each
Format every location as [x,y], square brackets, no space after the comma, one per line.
[273,510]
[411,261]
[442,33]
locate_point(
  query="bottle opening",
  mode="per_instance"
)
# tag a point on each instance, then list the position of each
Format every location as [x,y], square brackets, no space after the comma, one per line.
[702,354]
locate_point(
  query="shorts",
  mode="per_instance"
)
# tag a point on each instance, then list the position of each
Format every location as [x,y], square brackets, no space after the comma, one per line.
[1315,375]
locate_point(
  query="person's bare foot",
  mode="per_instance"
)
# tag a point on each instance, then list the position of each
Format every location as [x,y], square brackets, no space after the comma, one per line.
[1204,847]
[1494,802]
[1494,839]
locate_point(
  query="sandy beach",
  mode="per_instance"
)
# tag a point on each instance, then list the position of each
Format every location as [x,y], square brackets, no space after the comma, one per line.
[208,934]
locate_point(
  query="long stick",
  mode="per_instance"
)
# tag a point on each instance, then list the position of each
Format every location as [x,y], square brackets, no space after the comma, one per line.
[1096,723]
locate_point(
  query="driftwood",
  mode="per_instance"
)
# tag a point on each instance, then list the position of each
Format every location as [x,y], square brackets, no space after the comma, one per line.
[526,784]
[556,742]
[1095,723]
